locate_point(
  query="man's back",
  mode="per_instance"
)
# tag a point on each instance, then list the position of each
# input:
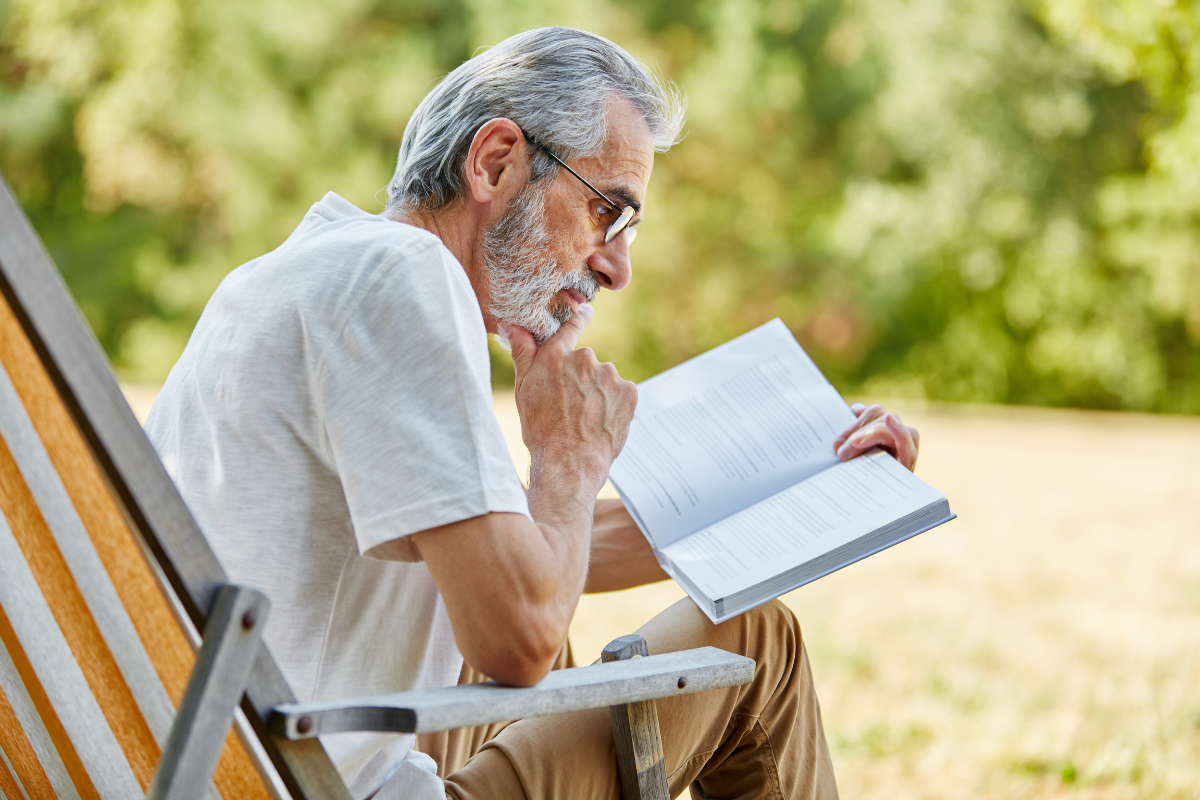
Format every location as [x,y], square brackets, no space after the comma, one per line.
[334,397]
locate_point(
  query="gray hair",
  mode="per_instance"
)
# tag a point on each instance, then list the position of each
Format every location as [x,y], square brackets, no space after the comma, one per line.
[553,82]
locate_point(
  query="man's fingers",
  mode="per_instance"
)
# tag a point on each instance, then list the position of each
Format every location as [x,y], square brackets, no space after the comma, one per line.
[862,441]
[902,436]
[887,433]
[522,346]
[570,331]
[866,415]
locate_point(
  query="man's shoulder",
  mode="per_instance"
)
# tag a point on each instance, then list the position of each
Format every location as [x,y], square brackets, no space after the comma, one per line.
[374,282]
[336,236]
[340,257]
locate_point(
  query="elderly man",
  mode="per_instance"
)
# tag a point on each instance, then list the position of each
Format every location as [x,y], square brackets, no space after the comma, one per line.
[330,425]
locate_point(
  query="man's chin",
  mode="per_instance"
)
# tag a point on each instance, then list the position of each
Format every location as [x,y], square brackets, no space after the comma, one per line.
[546,332]
[540,329]
[546,320]
[560,313]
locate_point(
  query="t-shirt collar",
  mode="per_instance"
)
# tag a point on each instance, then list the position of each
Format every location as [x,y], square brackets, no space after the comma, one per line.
[340,207]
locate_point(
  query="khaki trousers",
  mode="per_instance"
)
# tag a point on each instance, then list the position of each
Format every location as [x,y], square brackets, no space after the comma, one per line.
[761,740]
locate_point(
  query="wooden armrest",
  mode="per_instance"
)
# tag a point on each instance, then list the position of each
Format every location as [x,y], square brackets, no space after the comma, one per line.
[595,686]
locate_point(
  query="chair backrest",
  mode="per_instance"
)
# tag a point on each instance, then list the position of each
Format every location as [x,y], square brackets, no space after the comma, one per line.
[97,555]
[94,662]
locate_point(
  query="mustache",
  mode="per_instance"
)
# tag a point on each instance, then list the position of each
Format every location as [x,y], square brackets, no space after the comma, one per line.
[584,282]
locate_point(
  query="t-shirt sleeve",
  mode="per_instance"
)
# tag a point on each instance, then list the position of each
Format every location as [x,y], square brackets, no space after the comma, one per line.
[406,400]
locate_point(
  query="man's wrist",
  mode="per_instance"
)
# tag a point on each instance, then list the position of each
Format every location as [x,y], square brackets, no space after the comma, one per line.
[569,469]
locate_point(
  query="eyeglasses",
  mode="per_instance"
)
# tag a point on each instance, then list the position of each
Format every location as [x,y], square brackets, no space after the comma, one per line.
[627,212]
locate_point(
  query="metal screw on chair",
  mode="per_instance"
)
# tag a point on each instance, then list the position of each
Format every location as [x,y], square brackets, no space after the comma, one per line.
[304,725]
[249,618]
[682,682]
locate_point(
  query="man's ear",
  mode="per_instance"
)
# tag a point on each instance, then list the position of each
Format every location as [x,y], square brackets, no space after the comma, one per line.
[497,162]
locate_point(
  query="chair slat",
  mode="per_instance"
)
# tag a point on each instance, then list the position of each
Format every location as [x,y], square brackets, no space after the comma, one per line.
[75,622]
[56,683]
[28,753]
[131,576]
[103,602]
[43,719]
[9,786]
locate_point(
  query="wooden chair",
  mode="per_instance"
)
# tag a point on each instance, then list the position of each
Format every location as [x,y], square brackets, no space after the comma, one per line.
[105,581]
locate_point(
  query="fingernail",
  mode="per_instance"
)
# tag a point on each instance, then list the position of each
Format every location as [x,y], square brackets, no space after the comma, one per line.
[505,329]
[586,311]
[857,439]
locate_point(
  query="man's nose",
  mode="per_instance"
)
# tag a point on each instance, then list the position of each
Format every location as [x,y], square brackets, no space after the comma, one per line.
[610,264]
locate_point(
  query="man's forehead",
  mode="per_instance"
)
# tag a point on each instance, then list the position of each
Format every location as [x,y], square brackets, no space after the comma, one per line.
[623,166]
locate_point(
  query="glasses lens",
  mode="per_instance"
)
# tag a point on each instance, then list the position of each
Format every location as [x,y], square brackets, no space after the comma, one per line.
[618,226]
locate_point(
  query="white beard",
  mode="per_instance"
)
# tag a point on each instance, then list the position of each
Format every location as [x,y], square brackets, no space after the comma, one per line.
[523,275]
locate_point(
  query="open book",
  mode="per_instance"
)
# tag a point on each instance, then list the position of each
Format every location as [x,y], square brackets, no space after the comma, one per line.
[730,472]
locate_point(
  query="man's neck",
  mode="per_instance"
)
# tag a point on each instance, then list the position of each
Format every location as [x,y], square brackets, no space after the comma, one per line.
[455,227]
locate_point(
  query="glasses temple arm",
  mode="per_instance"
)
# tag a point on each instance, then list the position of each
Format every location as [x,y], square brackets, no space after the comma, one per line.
[582,179]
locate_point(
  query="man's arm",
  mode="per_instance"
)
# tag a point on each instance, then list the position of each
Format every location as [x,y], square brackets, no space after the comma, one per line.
[511,585]
[621,557]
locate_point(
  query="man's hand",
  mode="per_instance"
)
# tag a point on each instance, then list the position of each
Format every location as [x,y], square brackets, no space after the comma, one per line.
[875,427]
[574,410]
[511,585]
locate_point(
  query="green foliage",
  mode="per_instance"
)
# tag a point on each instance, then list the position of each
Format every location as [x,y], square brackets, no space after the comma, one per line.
[990,200]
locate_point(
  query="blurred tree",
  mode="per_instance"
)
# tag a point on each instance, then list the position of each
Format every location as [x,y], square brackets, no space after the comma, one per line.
[158,144]
[991,200]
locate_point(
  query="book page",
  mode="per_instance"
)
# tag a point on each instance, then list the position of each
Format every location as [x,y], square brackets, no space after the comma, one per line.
[725,430]
[801,523]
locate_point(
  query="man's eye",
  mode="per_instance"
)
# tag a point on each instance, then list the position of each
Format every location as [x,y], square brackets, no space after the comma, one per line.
[603,209]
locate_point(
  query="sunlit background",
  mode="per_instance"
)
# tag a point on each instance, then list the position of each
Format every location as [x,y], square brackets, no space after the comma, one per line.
[948,201]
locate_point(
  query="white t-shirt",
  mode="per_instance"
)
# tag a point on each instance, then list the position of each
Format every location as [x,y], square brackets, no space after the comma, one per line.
[334,398]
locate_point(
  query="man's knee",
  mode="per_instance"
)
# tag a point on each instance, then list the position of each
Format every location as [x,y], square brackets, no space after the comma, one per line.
[779,702]
[769,631]
[771,619]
